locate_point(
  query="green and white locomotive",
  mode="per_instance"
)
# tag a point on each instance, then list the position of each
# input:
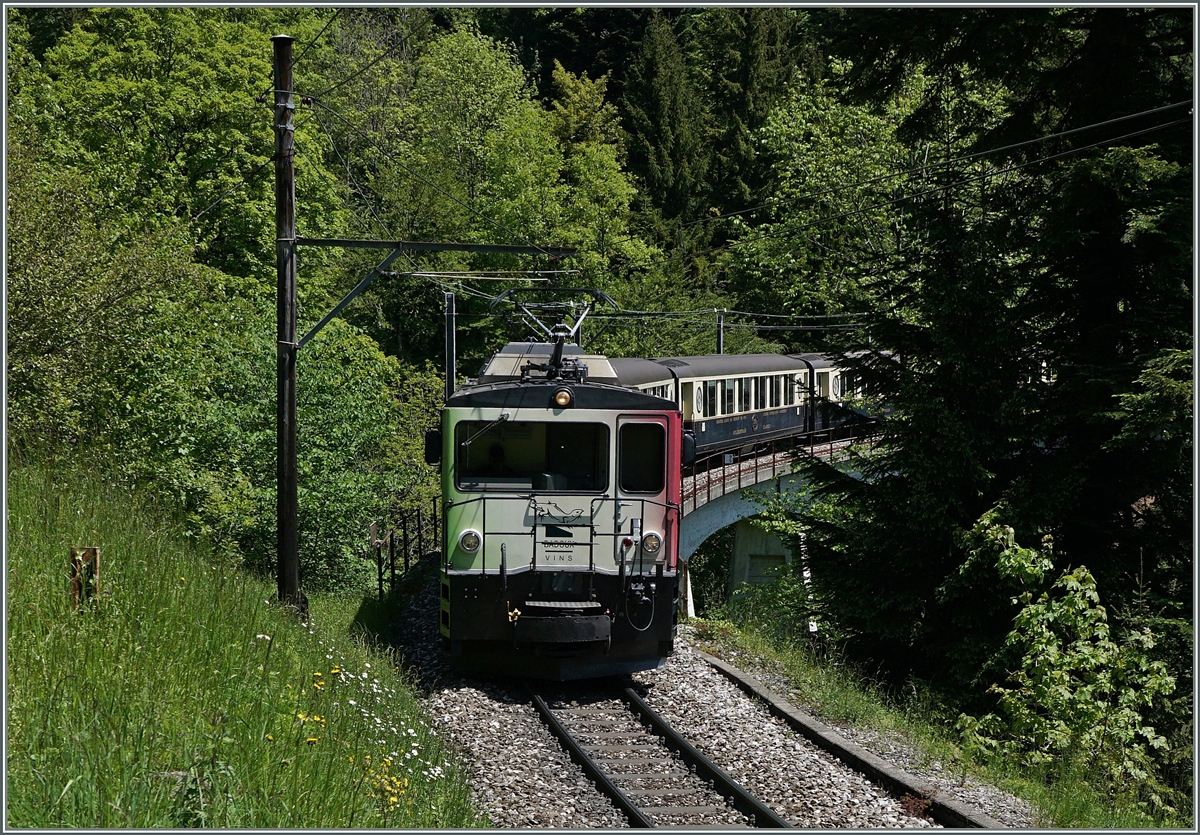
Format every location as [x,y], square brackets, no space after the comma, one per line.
[561,516]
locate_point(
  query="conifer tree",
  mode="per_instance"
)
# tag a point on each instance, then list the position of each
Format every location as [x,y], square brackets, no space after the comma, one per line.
[667,123]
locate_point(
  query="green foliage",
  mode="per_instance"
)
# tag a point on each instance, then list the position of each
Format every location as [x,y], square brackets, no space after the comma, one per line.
[83,287]
[667,123]
[746,58]
[708,573]
[1077,692]
[822,680]
[1027,326]
[1026,311]
[123,344]
[829,228]
[200,421]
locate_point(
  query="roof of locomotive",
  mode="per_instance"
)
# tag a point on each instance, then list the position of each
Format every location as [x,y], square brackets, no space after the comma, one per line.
[539,394]
[501,383]
[507,363]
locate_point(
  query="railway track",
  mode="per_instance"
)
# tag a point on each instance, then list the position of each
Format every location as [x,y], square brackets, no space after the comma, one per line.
[648,770]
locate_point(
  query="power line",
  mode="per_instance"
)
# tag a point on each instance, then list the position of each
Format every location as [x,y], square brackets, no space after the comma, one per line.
[937,165]
[304,49]
[361,70]
[938,189]
[354,183]
[794,315]
[245,181]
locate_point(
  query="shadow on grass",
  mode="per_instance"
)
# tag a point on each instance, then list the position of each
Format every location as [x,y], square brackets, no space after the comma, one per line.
[405,622]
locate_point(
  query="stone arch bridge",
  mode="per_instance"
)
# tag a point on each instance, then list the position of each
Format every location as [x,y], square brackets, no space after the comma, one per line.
[715,489]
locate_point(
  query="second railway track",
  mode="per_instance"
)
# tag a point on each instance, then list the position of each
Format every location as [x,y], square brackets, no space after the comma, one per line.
[648,770]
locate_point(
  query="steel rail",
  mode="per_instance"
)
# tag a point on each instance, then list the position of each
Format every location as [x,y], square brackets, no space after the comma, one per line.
[637,818]
[763,816]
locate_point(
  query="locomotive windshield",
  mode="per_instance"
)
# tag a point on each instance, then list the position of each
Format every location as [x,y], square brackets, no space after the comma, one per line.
[531,455]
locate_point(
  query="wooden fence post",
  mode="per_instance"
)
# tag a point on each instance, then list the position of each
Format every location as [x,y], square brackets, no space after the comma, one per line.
[392,555]
[85,574]
[437,524]
[404,529]
[420,536]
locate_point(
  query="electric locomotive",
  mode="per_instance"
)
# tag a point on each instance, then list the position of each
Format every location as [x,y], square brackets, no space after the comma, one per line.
[561,503]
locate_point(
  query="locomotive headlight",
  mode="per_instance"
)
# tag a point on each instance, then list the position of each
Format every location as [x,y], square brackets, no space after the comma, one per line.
[469,541]
[563,398]
[651,543]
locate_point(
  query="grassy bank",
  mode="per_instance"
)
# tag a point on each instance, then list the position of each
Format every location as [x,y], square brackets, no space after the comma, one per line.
[184,696]
[820,681]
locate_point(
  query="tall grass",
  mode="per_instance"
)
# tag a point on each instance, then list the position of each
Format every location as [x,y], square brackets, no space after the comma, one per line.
[183,696]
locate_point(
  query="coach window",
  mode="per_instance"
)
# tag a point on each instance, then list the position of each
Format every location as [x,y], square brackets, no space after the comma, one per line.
[744,395]
[727,397]
[775,391]
[789,390]
[643,452]
[710,398]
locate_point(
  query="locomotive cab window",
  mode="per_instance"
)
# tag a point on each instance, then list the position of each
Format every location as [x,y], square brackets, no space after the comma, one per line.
[643,451]
[531,455]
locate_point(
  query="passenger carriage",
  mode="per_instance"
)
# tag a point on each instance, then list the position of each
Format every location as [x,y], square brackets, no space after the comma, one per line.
[729,400]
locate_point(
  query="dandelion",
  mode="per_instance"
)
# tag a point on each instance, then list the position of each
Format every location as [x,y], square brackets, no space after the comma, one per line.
[312,740]
[270,738]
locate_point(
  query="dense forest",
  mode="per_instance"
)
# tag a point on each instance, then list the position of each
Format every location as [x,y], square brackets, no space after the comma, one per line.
[989,210]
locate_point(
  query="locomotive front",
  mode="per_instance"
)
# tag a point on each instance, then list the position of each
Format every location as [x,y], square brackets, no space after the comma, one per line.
[561,496]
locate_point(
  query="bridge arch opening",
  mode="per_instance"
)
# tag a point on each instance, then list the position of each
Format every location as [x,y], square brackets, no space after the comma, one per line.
[737,555]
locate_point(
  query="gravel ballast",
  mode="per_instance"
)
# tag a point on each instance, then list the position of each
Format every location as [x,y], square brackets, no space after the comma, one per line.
[523,779]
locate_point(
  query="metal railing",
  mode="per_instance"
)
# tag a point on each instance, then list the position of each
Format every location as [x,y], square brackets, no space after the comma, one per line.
[404,543]
[720,473]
